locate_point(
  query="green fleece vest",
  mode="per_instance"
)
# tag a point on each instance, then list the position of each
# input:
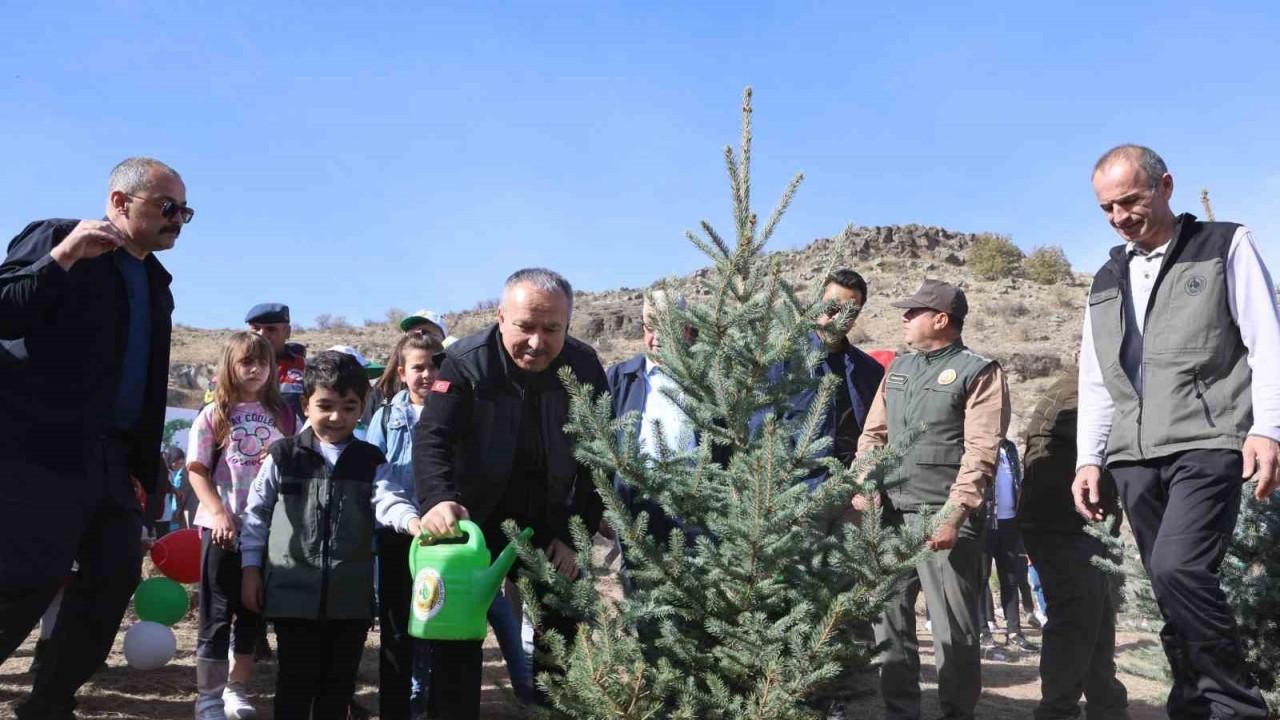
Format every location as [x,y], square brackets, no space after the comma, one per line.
[320,550]
[1195,372]
[924,398]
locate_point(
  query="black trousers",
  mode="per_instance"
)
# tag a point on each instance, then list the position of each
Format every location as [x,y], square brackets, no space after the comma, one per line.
[318,661]
[395,652]
[100,527]
[1004,546]
[1183,511]
[220,604]
[1078,655]
[456,671]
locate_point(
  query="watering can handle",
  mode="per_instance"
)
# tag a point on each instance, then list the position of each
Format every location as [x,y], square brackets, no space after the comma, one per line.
[475,536]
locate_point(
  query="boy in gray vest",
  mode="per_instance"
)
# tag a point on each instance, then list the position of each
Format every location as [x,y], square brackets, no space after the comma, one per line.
[961,401]
[1180,400]
[307,541]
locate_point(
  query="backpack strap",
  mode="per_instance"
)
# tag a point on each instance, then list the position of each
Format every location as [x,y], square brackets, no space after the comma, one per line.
[386,414]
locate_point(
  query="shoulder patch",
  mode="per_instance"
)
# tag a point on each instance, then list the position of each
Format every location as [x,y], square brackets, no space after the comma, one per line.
[441,386]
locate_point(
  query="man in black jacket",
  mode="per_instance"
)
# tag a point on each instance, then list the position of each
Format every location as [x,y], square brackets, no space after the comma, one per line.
[491,446]
[85,317]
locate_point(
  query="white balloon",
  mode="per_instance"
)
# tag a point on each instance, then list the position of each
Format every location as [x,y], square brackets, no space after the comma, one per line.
[149,645]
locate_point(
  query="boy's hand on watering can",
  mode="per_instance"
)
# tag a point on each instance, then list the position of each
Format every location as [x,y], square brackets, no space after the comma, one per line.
[563,558]
[415,527]
[442,520]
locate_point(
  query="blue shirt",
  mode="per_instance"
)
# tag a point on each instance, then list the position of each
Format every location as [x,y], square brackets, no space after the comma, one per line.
[132,385]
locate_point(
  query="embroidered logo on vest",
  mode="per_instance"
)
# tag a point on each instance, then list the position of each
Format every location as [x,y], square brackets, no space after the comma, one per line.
[946,377]
[1196,285]
[897,379]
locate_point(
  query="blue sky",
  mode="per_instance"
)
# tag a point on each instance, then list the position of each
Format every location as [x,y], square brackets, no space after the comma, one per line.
[349,158]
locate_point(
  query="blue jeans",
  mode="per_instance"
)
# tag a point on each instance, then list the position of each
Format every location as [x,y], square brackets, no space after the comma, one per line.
[1034,578]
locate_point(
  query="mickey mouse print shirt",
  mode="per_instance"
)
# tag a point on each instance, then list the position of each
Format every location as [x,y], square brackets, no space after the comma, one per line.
[253,430]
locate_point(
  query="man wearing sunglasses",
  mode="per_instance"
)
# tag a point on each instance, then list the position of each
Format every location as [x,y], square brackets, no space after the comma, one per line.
[85,318]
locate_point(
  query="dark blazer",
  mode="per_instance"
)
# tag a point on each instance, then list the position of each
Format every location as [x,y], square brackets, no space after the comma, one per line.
[627,388]
[862,376]
[62,340]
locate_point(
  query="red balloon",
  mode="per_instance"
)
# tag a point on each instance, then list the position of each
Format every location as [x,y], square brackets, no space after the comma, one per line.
[177,555]
[884,357]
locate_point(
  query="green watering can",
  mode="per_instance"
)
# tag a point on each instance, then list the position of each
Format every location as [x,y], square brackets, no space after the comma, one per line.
[454,585]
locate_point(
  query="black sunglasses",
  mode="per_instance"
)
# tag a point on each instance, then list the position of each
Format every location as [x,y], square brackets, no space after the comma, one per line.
[169,207]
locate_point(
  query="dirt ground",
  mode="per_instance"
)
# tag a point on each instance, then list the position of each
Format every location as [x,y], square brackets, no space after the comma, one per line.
[1011,684]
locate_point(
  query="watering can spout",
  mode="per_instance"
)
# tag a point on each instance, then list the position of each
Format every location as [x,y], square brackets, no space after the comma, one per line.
[502,565]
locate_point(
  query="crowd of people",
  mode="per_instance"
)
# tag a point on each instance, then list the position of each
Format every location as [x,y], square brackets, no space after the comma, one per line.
[309,475]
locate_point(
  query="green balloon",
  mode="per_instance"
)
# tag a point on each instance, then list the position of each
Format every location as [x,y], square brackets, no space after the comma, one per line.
[160,600]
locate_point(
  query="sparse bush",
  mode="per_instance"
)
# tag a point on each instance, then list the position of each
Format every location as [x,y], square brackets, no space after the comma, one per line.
[490,304]
[1073,300]
[1047,265]
[994,257]
[1032,365]
[325,321]
[1009,309]
[394,316]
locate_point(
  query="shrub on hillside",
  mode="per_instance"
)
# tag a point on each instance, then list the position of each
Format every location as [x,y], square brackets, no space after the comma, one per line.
[994,257]
[1032,365]
[1047,265]
[1008,309]
[326,321]
[394,316]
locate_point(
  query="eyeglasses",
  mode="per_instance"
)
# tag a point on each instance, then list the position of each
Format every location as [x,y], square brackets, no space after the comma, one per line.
[169,207]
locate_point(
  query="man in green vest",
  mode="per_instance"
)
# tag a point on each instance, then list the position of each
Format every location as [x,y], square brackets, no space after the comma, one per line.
[949,408]
[1180,400]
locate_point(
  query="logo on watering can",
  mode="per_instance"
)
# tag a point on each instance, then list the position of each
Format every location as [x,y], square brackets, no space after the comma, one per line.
[428,594]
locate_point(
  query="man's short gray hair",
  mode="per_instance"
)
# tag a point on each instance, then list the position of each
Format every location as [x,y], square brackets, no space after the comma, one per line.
[132,175]
[1146,159]
[541,279]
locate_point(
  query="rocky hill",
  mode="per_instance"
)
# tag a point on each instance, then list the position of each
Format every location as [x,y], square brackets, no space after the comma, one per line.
[1032,329]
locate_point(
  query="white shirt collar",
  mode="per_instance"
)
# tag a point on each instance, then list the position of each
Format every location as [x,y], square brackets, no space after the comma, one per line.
[650,367]
[1132,248]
